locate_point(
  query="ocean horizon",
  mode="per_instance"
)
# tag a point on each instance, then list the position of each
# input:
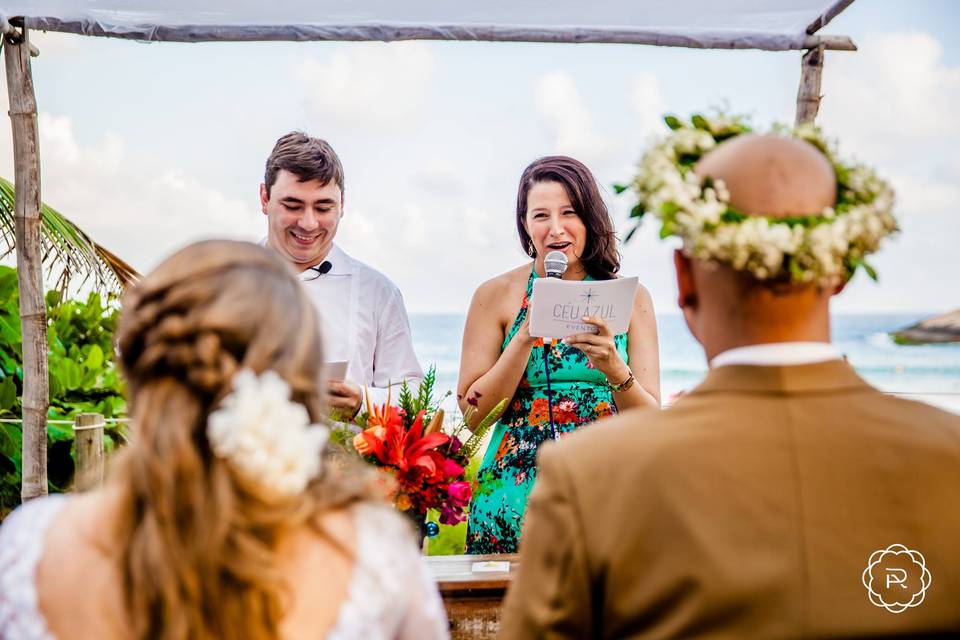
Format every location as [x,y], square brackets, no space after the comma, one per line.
[928,373]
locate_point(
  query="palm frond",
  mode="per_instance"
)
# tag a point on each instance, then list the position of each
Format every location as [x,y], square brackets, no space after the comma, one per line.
[67,248]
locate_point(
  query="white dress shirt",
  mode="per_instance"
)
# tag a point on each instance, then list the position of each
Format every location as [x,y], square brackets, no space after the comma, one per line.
[777,354]
[364,323]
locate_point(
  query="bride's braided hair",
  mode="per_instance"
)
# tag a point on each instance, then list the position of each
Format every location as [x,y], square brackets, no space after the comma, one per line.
[198,542]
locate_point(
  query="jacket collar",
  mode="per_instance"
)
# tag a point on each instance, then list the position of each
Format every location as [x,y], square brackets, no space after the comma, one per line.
[833,375]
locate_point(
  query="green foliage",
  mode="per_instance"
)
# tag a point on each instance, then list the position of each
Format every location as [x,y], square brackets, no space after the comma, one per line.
[472,445]
[423,401]
[82,378]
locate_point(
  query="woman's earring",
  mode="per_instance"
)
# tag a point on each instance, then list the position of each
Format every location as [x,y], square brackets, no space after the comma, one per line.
[530,250]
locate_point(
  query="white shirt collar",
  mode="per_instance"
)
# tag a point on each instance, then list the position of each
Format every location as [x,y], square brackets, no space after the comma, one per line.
[342,263]
[777,353]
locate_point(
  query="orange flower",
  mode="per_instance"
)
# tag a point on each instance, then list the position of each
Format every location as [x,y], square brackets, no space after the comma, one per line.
[602,409]
[506,445]
[362,445]
[403,502]
[539,412]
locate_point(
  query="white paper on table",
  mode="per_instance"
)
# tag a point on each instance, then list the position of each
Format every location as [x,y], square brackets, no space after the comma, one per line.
[491,566]
[335,370]
[558,306]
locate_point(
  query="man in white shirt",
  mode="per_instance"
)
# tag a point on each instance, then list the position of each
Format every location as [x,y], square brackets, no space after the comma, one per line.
[362,316]
[784,497]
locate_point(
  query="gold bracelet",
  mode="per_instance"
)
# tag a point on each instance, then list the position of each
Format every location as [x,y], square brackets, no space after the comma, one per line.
[623,386]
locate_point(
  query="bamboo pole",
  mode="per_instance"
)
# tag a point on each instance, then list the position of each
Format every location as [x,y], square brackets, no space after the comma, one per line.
[808,95]
[88,437]
[33,321]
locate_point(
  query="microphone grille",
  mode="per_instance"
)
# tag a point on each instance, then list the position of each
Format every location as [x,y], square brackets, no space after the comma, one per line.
[555,264]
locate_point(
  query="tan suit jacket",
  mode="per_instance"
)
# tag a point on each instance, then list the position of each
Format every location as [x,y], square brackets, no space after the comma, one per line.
[750,509]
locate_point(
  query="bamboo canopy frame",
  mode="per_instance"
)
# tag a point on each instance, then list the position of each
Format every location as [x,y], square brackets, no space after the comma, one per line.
[762,24]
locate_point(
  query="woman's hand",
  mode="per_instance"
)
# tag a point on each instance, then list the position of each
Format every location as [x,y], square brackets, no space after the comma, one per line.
[522,336]
[601,350]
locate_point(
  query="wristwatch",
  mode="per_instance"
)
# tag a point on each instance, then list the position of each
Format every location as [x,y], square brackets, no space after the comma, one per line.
[623,386]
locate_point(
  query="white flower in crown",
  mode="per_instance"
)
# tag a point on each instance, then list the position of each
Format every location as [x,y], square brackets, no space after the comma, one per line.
[265,436]
[822,247]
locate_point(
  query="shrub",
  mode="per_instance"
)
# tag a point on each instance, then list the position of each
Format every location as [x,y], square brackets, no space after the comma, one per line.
[82,376]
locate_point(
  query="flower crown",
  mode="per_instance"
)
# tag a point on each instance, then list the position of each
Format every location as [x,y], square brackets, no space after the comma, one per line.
[265,436]
[825,247]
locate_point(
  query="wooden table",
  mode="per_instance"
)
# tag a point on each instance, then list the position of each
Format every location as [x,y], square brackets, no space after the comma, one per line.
[473,598]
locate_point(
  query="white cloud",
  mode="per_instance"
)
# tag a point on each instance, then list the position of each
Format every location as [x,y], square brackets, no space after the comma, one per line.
[894,97]
[439,181]
[648,104]
[139,212]
[923,195]
[560,104]
[380,86]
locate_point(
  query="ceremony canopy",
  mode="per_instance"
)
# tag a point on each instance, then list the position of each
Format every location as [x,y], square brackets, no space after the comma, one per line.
[775,25]
[756,24]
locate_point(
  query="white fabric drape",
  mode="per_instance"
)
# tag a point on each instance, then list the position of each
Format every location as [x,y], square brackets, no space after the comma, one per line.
[764,24]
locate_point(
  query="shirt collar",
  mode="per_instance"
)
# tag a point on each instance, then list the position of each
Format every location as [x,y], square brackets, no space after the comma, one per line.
[343,264]
[777,353]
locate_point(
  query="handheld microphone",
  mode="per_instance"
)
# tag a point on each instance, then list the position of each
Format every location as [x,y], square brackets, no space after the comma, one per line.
[555,264]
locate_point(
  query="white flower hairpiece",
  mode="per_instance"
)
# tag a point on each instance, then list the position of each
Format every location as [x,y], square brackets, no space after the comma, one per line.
[824,247]
[265,436]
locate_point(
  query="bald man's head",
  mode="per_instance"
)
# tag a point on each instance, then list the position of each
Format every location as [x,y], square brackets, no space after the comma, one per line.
[772,175]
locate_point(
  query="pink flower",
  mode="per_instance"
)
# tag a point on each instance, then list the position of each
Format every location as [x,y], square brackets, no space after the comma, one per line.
[450,469]
[460,492]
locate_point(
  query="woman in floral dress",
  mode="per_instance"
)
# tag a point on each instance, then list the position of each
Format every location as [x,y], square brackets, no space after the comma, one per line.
[559,208]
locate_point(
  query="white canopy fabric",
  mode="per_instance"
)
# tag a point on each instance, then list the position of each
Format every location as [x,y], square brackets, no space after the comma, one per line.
[755,24]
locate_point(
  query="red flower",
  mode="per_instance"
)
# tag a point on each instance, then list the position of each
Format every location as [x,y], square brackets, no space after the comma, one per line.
[425,477]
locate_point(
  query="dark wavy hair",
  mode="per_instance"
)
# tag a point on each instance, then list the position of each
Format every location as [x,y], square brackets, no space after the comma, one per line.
[306,157]
[600,258]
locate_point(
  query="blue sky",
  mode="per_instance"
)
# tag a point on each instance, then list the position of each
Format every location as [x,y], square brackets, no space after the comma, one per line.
[151,146]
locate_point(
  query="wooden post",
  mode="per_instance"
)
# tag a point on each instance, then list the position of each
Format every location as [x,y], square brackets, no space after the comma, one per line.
[88,437]
[808,96]
[33,320]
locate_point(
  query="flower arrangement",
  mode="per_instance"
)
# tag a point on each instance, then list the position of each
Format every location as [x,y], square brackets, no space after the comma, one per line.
[826,247]
[426,466]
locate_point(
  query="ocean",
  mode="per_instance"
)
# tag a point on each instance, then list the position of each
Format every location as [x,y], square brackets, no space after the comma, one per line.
[929,373]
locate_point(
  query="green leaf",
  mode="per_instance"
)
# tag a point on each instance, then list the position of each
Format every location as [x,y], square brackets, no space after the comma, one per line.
[8,394]
[620,188]
[638,211]
[471,446]
[425,393]
[673,122]
[870,271]
[631,232]
[10,436]
[700,122]
[94,358]
[666,230]
[56,387]
[71,375]
[59,432]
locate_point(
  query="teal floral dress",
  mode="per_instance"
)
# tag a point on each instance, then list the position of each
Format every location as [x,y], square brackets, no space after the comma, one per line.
[508,471]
